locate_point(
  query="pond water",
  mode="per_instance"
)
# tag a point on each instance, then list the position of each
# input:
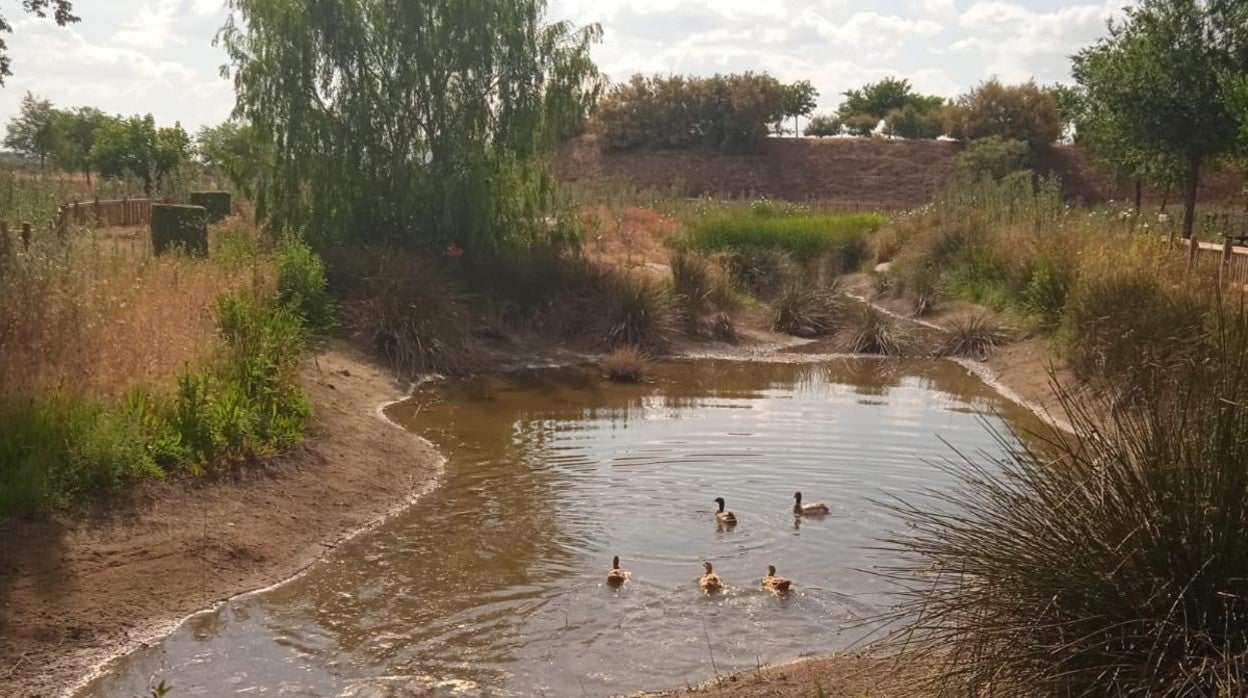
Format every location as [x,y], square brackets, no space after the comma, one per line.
[496,578]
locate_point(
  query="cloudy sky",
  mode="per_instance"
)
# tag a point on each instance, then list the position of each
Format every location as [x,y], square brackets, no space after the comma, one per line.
[139,56]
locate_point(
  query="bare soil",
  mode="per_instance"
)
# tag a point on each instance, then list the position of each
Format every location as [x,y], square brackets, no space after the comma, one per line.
[76,590]
[837,676]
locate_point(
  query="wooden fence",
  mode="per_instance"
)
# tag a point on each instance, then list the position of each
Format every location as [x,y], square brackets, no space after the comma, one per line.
[105,214]
[1226,262]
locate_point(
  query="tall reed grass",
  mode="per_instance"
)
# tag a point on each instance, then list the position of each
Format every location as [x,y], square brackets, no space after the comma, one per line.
[1110,562]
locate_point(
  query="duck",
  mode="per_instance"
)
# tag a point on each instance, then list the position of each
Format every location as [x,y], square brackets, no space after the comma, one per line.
[813,509]
[710,582]
[616,577]
[724,517]
[774,584]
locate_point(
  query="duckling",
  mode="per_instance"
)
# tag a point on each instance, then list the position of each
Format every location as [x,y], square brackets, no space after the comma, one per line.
[774,584]
[710,582]
[724,517]
[815,509]
[616,577]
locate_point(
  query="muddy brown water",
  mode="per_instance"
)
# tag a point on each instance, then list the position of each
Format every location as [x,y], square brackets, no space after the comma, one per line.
[493,583]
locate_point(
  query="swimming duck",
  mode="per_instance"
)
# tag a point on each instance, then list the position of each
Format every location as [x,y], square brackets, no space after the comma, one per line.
[710,582]
[814,509]
[773,583]
[724,517]
[616,577]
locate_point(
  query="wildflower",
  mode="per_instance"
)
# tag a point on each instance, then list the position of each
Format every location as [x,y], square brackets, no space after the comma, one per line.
[454,251]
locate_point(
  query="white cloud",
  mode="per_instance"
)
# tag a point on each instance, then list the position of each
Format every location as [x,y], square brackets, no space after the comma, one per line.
[152,27]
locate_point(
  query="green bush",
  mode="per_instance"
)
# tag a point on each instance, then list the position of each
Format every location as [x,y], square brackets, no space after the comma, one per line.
[822,126]
[993,157]
[301,285]
[216,203]
[180,228]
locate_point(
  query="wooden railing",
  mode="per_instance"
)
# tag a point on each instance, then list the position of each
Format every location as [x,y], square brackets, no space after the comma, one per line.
[105,213]
[1226,262]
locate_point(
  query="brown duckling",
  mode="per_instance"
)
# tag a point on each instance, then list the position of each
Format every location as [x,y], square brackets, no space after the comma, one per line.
[710,582]
[813,509]
[724,517]
[616,577]
[774,584]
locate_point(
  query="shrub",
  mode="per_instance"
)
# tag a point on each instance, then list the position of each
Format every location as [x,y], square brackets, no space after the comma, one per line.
[301,285]
[1045,295]
[912,122]
[973,335]
[639,314]
[183,228]
[805,310]
[868,330]
[860,124]
[1108,562]
[699,282]
[992,156]
[728,112]
[822,125]
[216,203]
[625,364]
[1023,112]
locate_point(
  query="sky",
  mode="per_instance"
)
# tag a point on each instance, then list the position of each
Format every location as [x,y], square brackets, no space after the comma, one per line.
[157,56]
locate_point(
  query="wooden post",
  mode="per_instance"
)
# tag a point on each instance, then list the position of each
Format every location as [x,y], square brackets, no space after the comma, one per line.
[1227,245]
[25,236]
[125,210]
[97,211]
[1192,246]
[5,243]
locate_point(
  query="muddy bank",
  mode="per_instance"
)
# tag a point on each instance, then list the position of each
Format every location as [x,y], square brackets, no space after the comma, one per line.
[74,591]
[838,676]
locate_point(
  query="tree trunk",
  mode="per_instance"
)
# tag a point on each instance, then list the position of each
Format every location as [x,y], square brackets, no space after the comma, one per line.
[1139,195]
[796,132]
[1189,198]
[1165,196]
[87,172]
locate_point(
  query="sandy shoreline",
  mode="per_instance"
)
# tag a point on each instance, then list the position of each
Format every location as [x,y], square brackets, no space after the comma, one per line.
[75,592]
[78,592]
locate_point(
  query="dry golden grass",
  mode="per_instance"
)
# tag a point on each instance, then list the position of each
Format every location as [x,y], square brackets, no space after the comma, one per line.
[100,315]
[626,364]
[627,237]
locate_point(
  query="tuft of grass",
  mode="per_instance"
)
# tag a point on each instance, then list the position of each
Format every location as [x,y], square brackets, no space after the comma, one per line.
[408,312]
[640,314]
[762,271]
[973,335]
[626,364]
[1107,562]
[808,311]
[868,330]
[700,281]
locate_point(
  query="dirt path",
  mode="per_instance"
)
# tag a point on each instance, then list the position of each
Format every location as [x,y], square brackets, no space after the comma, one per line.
[76,591]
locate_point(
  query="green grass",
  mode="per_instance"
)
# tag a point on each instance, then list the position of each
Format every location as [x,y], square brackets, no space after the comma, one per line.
[247,402]
[806,237]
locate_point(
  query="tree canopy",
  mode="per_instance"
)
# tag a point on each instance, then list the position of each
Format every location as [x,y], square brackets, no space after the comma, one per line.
[33,132]
[1023,112]
[420,122]
[62,14]
[798,99]
[1159,89]
[906,113]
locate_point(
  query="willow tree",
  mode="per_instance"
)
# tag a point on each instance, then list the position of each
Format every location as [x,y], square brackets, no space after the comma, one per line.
[419,122]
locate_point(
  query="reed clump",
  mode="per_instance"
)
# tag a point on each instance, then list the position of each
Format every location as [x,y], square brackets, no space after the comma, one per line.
[1107,562]
[973,335]
[626,364]
[868,330]
[808,311]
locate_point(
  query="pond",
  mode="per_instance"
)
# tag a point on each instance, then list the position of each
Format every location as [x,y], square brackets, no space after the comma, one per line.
[495,580]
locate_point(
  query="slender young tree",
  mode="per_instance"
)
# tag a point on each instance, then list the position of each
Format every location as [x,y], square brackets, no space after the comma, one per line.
[35,131]
[1156,88]
[799,99]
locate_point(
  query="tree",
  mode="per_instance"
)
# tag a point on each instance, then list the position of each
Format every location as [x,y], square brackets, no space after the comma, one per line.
[994,157]
[126,147]
[423,123]
[173,150]
[62,14]
[1017,112]
[1070,107]
[77,129]
[236,151]
[860,124]
[876,98]
[798,99]
[33,132]
[1159,84]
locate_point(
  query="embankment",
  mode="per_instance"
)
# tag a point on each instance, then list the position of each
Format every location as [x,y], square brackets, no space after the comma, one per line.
[872,173]
[74,591]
